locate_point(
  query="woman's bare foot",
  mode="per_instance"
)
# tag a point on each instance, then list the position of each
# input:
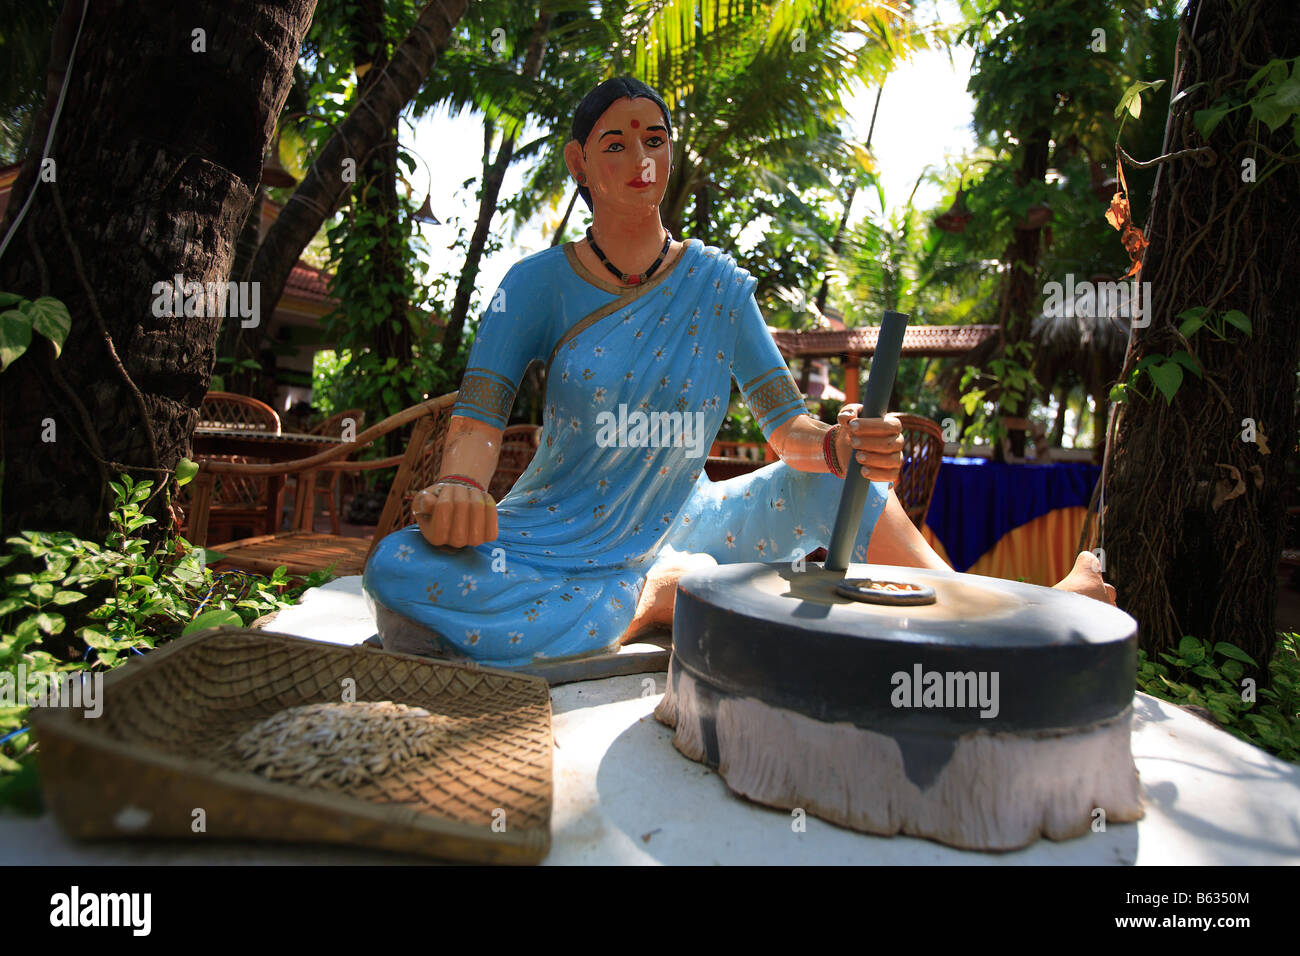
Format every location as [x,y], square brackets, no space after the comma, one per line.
[1085,578]
[659,596]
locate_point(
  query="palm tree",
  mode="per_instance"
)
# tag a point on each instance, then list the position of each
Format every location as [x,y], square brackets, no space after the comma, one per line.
[24,49]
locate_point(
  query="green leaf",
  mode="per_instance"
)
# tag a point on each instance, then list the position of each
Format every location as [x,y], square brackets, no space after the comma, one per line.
[213,619]
[1237,319]
[50,317]
[1193,319]
[1132,98]
[1234,652]
[15,336]
[185,472]
[49,623]
[1167,377]
[96,638]
[43,591]
[8,299]
[1272,111]
[1187,361]
[1207,120]
[68,597]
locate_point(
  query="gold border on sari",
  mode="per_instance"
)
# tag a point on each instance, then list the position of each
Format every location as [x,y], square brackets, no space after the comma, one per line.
[628,295]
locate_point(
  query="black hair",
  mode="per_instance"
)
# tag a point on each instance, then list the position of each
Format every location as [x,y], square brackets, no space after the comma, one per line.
[595,103]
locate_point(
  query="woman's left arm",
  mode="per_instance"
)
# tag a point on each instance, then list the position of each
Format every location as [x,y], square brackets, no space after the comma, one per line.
[875,443]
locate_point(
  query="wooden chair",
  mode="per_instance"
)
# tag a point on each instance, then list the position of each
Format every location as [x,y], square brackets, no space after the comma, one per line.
[330,489]
[303,550]
[239,412]
[238,501]
[518,446]
[922,456]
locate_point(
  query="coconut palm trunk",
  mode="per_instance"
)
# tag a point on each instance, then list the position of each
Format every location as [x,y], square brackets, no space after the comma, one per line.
[157,153]
[1193,532]
[368,125]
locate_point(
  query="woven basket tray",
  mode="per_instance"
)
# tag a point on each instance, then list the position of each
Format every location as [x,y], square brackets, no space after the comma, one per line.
[155,755]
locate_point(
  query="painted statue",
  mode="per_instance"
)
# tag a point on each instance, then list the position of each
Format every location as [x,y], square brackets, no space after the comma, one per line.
[641,335]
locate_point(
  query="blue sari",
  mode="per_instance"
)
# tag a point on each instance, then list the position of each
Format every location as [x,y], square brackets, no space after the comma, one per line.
[637,387]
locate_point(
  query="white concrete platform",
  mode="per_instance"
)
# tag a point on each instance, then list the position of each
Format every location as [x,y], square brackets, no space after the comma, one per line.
[624,795]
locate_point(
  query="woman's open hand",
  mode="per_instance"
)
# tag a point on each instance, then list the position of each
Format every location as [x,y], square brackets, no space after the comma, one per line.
[455,515]
[875,443]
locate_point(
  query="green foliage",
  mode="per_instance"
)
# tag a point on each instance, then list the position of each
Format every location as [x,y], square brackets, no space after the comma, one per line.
[1273,104]
[740,424]
[1166,371]
[1008,377]
[21,317]
[69,606]
[369,379]
[1211,676]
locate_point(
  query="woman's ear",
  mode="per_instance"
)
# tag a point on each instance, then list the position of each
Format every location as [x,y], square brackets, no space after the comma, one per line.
[573,159]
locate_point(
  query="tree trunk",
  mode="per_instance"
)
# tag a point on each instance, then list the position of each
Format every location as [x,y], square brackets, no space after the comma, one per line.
[1186,558]
[1057,436]
[493,175]
[1021,287]
[158,154]
[369,124]
[381,264]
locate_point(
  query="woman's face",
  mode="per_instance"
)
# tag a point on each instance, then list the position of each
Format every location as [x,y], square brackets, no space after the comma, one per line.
[628,156]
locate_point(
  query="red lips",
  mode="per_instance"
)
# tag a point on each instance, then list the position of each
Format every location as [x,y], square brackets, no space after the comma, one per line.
[639,183]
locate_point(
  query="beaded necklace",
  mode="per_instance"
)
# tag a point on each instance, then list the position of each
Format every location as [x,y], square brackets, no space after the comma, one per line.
[636,278]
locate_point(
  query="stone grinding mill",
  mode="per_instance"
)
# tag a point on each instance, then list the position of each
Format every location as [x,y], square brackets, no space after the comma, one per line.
[974,711]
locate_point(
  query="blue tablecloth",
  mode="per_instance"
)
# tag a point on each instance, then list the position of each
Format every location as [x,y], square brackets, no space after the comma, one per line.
[977,501]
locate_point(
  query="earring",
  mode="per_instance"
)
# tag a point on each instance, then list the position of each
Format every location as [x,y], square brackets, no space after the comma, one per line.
[582,179]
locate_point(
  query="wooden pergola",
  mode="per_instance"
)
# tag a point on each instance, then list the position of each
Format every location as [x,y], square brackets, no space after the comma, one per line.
[934,341]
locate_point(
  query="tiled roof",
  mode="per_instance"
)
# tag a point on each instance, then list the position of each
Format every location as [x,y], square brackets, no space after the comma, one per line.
[934,340]
[307,282]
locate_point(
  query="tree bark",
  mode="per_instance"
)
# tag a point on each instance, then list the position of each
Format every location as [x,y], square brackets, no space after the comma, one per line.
[1187,559]
[158,153]
[493,175]
[369,124]
[1021,286]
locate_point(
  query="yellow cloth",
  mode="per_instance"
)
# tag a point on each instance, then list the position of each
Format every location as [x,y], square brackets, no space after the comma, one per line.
[1039,552]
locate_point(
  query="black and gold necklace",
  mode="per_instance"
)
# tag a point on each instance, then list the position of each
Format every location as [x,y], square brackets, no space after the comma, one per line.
[636,278]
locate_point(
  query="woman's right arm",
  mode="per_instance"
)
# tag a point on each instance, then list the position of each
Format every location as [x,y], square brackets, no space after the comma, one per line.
[454,514]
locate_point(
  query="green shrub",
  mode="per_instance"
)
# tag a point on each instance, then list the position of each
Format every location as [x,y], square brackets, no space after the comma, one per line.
[68,605]
[1212,677]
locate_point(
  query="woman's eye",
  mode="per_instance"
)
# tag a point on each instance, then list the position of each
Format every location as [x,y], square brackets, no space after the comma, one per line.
[655,141]
[614,147]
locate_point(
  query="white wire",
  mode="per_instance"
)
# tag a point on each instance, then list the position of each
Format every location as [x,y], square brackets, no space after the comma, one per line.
[49,136]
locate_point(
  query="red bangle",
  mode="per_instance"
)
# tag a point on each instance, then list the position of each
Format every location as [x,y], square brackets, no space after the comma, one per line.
[829,453]
[460,480]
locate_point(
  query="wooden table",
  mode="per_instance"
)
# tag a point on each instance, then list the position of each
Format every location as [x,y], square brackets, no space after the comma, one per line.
[256,443]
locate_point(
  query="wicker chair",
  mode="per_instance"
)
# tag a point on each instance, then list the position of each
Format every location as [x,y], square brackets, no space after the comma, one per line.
[329,490]
[518,446]
[238,501]
[922,456]
[304,550]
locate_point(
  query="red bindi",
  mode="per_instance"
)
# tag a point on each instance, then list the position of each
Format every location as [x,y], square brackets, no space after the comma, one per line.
[635,124]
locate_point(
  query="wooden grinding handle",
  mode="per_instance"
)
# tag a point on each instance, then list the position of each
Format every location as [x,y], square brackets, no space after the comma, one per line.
[880,382]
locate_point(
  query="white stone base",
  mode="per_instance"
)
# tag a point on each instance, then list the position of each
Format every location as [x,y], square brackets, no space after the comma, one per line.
[999,791]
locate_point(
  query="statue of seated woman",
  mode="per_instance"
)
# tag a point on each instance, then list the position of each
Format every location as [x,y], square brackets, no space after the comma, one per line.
[586,549]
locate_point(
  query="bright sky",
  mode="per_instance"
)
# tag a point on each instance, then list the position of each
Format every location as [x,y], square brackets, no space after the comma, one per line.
[924,118]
